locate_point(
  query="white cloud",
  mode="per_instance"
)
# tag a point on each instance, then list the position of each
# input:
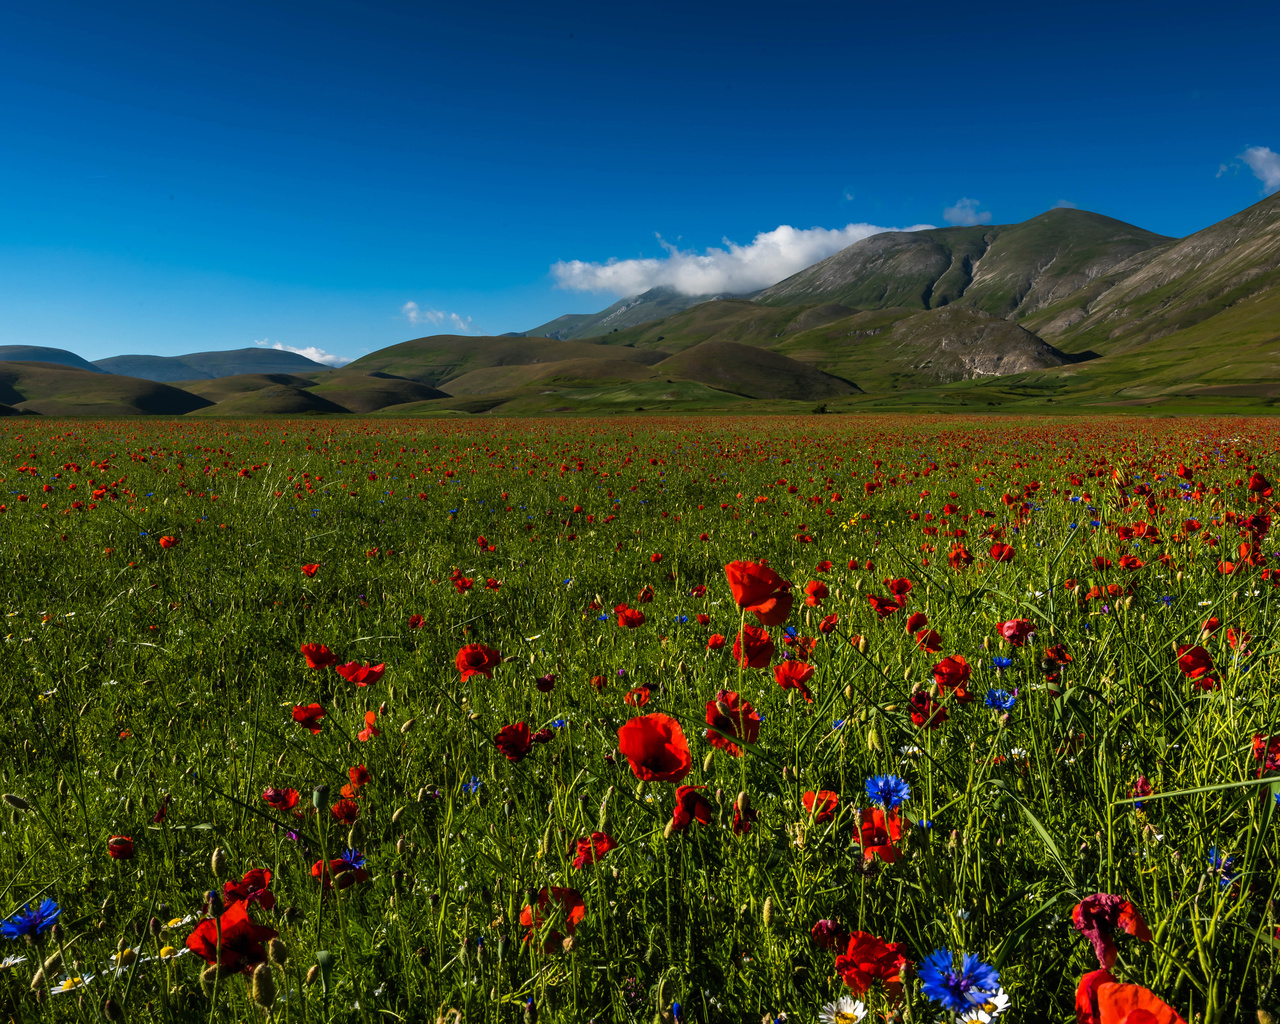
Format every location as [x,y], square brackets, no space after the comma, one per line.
[1065,204]
[415,314]
[965,213]
[1265,165]
[317,355]
[735,269]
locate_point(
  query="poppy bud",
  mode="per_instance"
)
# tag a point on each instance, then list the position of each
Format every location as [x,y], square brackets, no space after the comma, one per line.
[602,821]
[873,740]
[111,1010]
[424,956]
[277,953]
[292,915]
[218,863]
[707,762]
[786,773]
[207,978]
[118,773]
[62,787]
[320,797]
[399,813]
[54,962]
[37,981]
[154,927]
[766,915]
[407,725]
[214,903]
[508,807]
[862,645]
[400,845]
[264,987]
[669,830]
[344,880]
[16,802]
[313,973]
[353,836]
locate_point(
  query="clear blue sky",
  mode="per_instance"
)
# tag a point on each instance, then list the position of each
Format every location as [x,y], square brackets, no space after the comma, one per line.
[187,176]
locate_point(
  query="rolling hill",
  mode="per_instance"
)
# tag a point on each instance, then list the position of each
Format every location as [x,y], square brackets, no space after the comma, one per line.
[55,390]
[39,354]
[208,365]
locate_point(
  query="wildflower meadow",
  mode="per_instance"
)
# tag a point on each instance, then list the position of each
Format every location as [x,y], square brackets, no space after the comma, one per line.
[827,718]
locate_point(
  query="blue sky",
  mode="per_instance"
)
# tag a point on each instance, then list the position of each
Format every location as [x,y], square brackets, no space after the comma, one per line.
[194,176]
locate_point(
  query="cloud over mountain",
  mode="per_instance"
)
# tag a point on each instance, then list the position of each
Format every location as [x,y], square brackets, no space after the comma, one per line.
[965,213]
[311,352]
[1265,164]
[734,269]
[415,314]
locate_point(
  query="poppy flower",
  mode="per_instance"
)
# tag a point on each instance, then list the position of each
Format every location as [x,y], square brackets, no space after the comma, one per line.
[715,642]
[416,622]
[690,806]
[952,676]
[1258,484]
[252,888]
[1107,1001]
[655,747]
[1100,916]
[318,656]
[476,659]
[823,566]
[280,799]
[744,815]
[752,648]
[752,582]
[646,594]
[821,806]
[310,569]
[1017,631]
[815,593]
[636,698]
[592,848]
[349,865]
[929,641]
[168,542]
[629,618]
[1057,653]
[345,811]
[120,848]
[361,675]
[869,959]
[826,933]
[568,907]
[899,588]
[1001,552]
[959,557]
[879,831]
[703,619]
[773,611]
[1197,665]
[308,716]
[916,621]
[883,606]
[359,776]
[731,718]
[1267,750]
[828,624]
[370,730]
[492,584]
[513,741]
[1087,995]
[794,675]
[925,711]
[242,941]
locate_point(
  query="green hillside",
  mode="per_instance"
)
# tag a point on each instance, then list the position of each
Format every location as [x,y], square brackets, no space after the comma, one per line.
[52,389]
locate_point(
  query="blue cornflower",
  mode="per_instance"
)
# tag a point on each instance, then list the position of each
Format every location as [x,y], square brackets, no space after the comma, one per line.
[473,785]
[1000,664]
[971,986]
[31,924]
[602,618]
[1223,864]
[1167,600]
[889,790]
[677,1012]
[681,620]
[837,723]
[1000,700]
[559,723]
[791,631]
[353,857]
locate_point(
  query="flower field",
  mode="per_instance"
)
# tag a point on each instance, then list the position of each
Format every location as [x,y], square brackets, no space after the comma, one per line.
[825,718]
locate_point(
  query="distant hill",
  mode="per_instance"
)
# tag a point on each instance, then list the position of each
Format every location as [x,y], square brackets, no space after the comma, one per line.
[209,365]
[650,305]
[38,354]
[754,373]
[55,390]
[1011,270]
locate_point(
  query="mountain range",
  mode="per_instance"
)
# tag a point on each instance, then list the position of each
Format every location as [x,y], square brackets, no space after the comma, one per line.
[1068,309]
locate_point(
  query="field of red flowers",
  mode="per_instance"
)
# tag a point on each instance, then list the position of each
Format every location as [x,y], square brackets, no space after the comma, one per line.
[901,718]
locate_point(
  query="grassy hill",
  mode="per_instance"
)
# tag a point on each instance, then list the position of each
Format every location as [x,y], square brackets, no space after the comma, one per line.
[40,354]
[208,365]
[55,390]
[1009,269]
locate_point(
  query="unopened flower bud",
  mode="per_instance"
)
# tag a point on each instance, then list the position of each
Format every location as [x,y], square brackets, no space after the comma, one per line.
[218,863]
[407,725]
[313,973]
[16,802]
[320,797]
[278,953]
[264,987]
[708,762]
[766,915]
[112,1011]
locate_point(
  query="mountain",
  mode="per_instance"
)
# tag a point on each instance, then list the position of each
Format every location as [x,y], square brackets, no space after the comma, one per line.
[656,302]
[209,365]
[38,354]
[56,390]
[1010,270]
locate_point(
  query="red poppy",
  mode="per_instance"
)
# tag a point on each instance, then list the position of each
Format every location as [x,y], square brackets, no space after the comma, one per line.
[899,588]
[703,619]
[629,618]
[826,934]
[752,648]
[370,730]
[1258,484]
[1087,996]
[310,569]
[959,557]
[359,776]
[752,582]
[168,542]
[361,675]
[308,716]
[916,621]
[773,611]
[929,641]
[744,815]
[327,873]
[869,959]
[794,675]
[318,656]
[569,908]
[1057,653]
[828,624]
[120,848]
[416,622]
[242,941]
[1100,916]
[598,683]
[1001,552]
[477,659]
[733,717]
[1131,563]
[637,697]
[513,741]
[655,747]
[492,584]
[883,606]
[821,806]
[823,566]
[1130,1004]
[280,799]
[646,594]
[690,806]
[878,833]
[715,642]
[592,848]
[815,593]
[1017,631]
[925,711]
[1267,750]
[952,676]
[1197,665]
[252,888]
[345,811]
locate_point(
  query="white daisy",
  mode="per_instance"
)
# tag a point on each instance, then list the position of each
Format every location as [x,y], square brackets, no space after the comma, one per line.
[986,1012]
[843,1011]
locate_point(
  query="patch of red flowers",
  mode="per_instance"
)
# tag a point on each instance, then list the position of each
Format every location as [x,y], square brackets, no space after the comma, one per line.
[655,747]
[242,941]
